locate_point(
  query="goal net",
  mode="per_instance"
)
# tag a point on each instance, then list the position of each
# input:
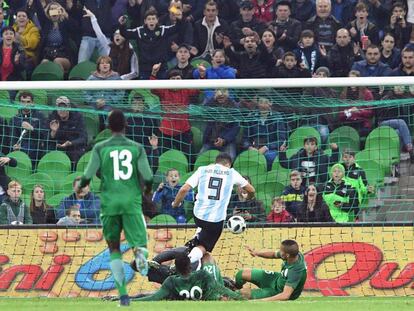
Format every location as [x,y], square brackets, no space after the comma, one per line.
[353,221]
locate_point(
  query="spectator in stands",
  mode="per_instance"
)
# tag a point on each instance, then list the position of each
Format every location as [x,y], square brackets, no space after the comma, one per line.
[289,68]
[183,56]
[279,213]
[102,10]
[228,9]
[4,179]
[72,217]
[153,44]
[87,203]
[363,31]
[56,28]
[66,130]
[287,29]
[27,128]
[360,118]
[221,135]
[144,129]
[343,54]
[175,125]
[271,52]
[341,197]
[104,99]
[41,212]
[264,10]
[343,10]
[379,12]
[245,25]
[210,31]
[355,175]
[313,207]
[12,57]
[407,63]
[292,195]
[311,55]
[124,59]
[266,132]
[137,10]
[310,161]
[193,10]
[324,25]
[303,10]
[250,209]
[166,193]
[390,55]
[250,62]
[372,66]
[325,92]
[13,211]
[28,36]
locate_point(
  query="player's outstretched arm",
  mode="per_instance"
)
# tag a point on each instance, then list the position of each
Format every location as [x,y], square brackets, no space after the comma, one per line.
[269,254]
[285,295]
[162,294]
[181,195]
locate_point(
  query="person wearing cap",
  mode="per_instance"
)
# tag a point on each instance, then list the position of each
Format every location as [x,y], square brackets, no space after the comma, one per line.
[340,196]
[183,56]
[67,131]
[246,25]
[310,161]
[287,29]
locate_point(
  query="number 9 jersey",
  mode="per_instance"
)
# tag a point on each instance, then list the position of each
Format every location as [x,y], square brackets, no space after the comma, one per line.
[215,184]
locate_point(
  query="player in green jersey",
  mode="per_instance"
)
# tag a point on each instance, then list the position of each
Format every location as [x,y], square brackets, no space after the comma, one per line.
[124,168]
[204,284]
[286,285]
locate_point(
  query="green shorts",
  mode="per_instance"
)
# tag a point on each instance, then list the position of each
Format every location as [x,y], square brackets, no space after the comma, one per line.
[134,227]
[266,281]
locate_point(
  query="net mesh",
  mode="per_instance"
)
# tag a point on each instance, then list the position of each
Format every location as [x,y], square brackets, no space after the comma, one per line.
[264,130]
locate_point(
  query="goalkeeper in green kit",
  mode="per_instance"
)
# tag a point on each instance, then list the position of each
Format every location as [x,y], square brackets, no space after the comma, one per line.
[123,167]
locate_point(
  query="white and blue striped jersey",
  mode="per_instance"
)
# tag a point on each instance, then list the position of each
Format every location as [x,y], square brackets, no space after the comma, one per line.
[215,185]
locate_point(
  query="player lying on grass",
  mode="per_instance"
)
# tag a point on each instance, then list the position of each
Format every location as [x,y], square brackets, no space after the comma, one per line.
[286,285]
[203,284]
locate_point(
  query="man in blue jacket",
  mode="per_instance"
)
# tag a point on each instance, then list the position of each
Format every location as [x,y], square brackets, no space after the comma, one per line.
[372,66]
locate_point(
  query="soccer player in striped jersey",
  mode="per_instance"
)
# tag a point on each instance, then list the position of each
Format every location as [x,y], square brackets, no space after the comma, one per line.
[215,183]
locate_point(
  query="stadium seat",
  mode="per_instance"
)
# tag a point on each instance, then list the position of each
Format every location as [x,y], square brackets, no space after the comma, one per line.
[206,158]
[385,140]
[297,137]
[173,159]
[57,165]
[103,135]
[345,137]
[82,71]
[56,199]
[197,139]
[281,173]
[252,164]
[6,112]
[373,171]
[151,101]
[24,166]
[91,125]
[39,179]
[163,219]
[48,71]
[184,178]
[83,162]
[381,156]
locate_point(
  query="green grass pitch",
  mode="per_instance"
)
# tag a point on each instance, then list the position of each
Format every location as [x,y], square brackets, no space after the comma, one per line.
[306,304]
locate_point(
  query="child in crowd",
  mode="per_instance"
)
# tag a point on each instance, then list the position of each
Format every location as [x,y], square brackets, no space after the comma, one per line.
[279,213]
[72,218]
[13,211]
[309,53]
[292,196]
[166,193]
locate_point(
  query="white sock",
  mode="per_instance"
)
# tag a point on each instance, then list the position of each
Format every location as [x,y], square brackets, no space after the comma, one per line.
[195,255]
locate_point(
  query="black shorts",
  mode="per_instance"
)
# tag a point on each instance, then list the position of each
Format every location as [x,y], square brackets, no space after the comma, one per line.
[208,233]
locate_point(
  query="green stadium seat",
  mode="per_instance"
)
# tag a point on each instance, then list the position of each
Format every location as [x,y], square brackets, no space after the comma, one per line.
[6,112]
[56,199]
[184,178]
[82,70]
[24,166]
[385,140]
[281,173]
[83,162]
[92,126]
[103,135]
[191,221]
[163,219]
[374,172]
[39,179]
[57,165]
[252,164]
[48,71]
[381,156]
[346,137]
[197,139]
[297,137]
[173,159]
[206,158]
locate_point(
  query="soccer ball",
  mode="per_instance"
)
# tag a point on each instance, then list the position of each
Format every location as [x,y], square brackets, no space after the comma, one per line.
[236,224]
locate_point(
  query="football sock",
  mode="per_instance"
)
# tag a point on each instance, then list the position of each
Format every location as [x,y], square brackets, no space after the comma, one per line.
[239,279]
[195,255]
[117,268]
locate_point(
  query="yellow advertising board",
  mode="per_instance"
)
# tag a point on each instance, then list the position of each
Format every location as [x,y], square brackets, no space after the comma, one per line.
[357,261]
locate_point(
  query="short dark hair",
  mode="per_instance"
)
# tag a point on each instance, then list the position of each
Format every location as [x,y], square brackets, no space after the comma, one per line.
[373,46]
[26,94]
[285,3]
[361,6]
[288,54]
[348,151]
[182,263]
[407,49]
[10,28]
[398,5]
[150,12]
[174,72]
[224,158]
[291,247]
[310,139]
[307,33]
[211,3]
[116,121]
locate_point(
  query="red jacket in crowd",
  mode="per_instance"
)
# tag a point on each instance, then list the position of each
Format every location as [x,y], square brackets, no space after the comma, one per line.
[265,12]
[284,216]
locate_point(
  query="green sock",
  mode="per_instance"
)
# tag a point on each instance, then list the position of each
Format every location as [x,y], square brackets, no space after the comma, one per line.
[239,279]
[117,268]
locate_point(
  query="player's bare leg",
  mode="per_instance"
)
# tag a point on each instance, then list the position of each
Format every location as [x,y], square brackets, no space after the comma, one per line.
[117,268]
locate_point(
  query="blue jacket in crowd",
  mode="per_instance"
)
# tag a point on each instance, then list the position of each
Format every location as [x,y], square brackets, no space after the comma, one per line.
[90,207]
[167,195]
[366,70]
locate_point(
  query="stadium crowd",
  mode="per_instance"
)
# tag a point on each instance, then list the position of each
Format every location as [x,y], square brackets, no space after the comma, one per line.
[199,39]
